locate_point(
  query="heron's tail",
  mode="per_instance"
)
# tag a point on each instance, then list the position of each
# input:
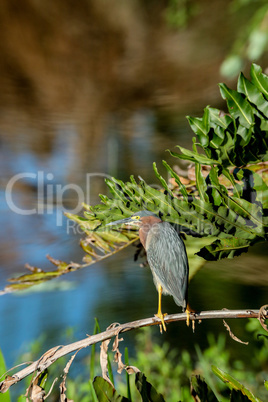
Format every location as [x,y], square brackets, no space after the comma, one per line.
[182,303]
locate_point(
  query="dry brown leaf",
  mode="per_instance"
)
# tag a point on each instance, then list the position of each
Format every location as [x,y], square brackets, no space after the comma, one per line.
[172,181]
[104,355]
[132,369]
[63,389]
[263,315]
[33,269]
[118,354]
[47,356]
[104,360]
[183,180]
[191,172]
[33,383]
[49,392]
[59,263]
[8,381]
[37,393]
[40,367]
[180,171]
[232,335]
[54,261]
[194,395]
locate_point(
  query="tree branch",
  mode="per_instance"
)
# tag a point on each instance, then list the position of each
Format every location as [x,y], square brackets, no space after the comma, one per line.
[48,358]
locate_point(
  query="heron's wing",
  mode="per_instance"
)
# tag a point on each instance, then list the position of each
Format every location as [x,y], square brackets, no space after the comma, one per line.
[168,261]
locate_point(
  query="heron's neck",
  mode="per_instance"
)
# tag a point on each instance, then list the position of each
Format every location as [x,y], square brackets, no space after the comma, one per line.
[147,224]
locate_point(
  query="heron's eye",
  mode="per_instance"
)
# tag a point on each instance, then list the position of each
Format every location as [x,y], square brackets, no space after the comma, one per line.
[136,217]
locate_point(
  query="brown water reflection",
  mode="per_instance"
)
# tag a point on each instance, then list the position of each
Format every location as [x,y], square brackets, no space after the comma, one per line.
[87,71]
[63,65]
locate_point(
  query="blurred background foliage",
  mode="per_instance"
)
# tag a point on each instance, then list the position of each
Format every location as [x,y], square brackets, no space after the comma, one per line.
[251,39]
[169,370]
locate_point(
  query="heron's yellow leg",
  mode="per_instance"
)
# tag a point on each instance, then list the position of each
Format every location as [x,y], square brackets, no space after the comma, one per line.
[188,312]
[159,314]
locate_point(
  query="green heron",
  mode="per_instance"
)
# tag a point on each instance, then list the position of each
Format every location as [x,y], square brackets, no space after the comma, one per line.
[166,256]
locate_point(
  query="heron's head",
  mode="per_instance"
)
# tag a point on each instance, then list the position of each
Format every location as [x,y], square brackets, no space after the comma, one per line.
[136,219]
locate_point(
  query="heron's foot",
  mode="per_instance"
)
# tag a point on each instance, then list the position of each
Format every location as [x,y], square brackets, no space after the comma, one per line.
[161,317]
[188,313]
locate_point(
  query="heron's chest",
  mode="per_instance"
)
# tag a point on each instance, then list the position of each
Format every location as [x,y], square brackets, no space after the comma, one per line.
[149,235]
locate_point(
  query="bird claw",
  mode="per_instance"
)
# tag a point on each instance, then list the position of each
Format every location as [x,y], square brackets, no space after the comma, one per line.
[188,313]
[162,325]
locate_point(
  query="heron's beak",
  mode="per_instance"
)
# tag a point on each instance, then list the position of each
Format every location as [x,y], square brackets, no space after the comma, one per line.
[127,221]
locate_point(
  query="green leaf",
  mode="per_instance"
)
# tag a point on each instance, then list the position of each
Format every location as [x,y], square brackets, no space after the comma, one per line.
[252,93]
[215,187]
[96,330]
[238,396]
[92,392]
[237,106]
[227,247]
[200,180]
[192,247]
[233,384]
[127,375]
[230,177]
[219,119]
[259,79]
[105,391]
[6,396]
[21,398]
[193,157]
[248,210]
[200,127]
[200,217]
[182,188]
[246,134]
[110,370]
[161,179]
[147,391]
[261,189]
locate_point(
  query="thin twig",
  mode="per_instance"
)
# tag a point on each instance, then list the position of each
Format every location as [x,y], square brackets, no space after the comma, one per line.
[108,334]
[235,338]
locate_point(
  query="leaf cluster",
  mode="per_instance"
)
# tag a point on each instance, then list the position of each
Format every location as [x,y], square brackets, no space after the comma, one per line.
[229,142]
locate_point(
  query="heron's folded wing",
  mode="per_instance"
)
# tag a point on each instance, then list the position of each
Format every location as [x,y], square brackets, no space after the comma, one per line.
[168,260]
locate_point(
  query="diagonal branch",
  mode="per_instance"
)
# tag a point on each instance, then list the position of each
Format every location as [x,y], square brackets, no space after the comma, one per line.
[55,353]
